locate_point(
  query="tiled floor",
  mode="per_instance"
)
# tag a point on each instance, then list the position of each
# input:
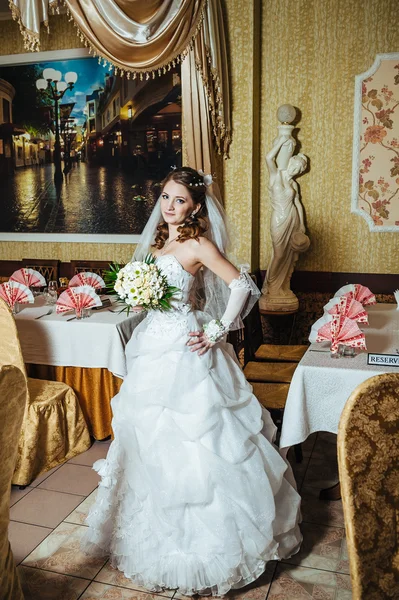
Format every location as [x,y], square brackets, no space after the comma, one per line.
[47,520]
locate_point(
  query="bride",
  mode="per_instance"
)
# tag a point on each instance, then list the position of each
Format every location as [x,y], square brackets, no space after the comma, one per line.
[193,493]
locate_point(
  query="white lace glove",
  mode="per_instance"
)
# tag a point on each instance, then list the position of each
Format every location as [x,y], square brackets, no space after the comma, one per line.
[216,329]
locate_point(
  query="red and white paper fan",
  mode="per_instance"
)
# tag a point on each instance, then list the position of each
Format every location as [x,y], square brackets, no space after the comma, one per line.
[76,298]
[28,277]
[87,278]
[314,332]
[349,307]
[360,293]
[13,291]
[341,330]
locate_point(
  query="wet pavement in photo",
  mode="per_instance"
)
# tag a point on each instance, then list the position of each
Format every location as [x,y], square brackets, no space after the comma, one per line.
[92,199]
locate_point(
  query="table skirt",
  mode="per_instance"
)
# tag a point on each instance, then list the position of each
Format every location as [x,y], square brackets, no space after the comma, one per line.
[94,388]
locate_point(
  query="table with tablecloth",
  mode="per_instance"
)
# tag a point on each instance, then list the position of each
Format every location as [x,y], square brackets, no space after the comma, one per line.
[321,385]
[87,354]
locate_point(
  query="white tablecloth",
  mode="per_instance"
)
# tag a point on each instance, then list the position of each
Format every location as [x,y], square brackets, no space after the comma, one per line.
[98,341]
[321,385]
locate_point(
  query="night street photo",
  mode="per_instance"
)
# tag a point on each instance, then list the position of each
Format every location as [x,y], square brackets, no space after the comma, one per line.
[83,151]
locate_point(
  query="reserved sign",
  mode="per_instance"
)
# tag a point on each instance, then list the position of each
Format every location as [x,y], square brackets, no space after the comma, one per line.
[386,360]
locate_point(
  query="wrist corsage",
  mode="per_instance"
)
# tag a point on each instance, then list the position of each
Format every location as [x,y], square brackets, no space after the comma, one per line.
[215,330]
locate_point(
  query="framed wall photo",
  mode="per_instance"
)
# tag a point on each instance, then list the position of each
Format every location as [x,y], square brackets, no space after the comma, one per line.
[375,175]
[77,164]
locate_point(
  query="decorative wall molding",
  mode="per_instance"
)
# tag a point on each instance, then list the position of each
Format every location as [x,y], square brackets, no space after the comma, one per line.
[375,167]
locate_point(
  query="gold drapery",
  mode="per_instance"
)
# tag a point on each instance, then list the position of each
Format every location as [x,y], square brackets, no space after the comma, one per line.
[94,389]
[13,398]
[145,38]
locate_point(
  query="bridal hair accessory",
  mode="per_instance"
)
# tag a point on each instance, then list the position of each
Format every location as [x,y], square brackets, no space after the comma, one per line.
[206,180]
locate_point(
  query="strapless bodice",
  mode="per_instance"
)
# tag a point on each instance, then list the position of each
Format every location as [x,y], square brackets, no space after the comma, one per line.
[176,276]
[175,321]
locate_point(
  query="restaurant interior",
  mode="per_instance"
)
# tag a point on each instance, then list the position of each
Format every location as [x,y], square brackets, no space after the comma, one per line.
[303,70]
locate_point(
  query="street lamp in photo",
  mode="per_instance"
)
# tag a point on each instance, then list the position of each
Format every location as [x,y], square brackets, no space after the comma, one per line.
[51,81]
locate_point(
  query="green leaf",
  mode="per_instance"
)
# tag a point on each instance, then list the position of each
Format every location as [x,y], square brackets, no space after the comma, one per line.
[149,259]
[164,304]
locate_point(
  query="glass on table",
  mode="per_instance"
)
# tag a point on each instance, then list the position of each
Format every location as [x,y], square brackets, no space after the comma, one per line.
[86,313]
[50,296]
[16,308]
[53,285]
[35,290]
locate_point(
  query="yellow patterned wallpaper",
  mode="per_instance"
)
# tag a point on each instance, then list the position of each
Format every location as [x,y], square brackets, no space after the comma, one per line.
[310,52]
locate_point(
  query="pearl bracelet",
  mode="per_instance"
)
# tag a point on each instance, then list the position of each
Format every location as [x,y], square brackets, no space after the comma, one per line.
[215,330]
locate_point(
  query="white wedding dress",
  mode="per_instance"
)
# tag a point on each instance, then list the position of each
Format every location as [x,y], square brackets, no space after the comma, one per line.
[193,494]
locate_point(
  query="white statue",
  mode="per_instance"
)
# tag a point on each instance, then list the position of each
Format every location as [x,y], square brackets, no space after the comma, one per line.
[287,220]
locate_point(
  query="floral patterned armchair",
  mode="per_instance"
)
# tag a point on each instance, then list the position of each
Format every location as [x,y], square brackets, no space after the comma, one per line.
[368,459]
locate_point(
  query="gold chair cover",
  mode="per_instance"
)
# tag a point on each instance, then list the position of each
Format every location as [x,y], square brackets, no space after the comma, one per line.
[53,429]
[368,460]
[13,398]
[94,389]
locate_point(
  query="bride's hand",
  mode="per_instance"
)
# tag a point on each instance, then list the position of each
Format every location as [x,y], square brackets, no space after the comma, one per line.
[199,342]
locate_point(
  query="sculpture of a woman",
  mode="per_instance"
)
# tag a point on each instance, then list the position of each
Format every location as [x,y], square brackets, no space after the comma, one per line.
[287,228]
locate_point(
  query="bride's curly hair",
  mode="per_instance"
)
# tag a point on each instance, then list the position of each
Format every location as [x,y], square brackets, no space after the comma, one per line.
[194,226]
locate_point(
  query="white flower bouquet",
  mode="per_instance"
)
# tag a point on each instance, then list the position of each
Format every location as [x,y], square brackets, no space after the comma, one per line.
[141,283]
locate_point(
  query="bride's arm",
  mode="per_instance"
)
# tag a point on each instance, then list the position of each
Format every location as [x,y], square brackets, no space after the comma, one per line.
[211,258]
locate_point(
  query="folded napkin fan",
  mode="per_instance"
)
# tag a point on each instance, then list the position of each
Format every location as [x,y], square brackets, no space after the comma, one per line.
[13,291]
[360,293]
[314,332]
[28,277]
[87,278]
[396,294]
[76,298]
[349,307]
[341,330]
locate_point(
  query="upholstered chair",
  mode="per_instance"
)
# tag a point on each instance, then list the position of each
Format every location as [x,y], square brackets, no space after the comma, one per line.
[368,459]
[13,397]
[53,428]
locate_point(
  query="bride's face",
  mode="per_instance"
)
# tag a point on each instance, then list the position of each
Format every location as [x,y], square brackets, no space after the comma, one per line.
[176,203]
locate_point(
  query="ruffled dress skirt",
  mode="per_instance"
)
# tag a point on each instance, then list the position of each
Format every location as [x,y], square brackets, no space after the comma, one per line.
[193,493]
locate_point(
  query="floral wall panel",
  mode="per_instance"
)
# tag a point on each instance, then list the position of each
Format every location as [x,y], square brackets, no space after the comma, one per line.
[376,144]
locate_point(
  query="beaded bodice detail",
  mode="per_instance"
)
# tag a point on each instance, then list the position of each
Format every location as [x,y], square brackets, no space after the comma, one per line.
[176,320]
